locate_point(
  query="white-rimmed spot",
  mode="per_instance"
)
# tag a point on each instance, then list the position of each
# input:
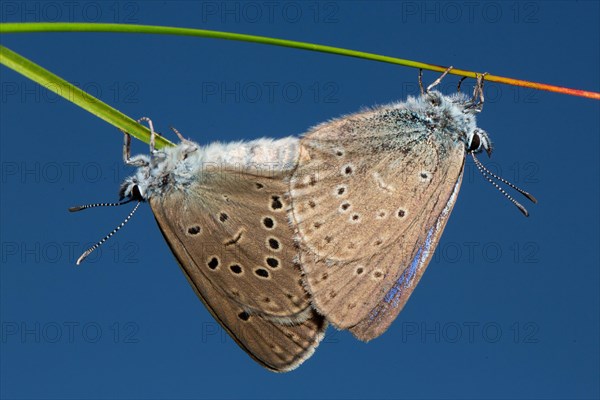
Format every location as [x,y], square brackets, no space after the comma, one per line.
[347,170]
[345,206]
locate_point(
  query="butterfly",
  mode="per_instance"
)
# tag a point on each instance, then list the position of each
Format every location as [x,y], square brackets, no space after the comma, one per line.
[371,195]
[222,210]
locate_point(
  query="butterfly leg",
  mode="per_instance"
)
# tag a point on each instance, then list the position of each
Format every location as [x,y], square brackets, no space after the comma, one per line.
[478,97]
[421,81]
[136,161]
[482,78]
[152,133]
[460,83]
[438,80]
[179,135]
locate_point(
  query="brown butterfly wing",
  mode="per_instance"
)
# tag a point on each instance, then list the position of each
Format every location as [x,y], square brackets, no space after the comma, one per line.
[381,317]
[362,197]
[234,227]
[277,346]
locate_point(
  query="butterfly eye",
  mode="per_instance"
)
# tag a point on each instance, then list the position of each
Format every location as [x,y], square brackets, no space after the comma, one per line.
[479,141]
[475,144]
[136,193]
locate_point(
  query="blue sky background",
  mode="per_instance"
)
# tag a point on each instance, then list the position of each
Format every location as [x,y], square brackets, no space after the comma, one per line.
[509,306]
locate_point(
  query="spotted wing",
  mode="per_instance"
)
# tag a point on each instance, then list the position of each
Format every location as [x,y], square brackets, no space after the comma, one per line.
[277,346]
[386,311]
[366,191]
[234,227]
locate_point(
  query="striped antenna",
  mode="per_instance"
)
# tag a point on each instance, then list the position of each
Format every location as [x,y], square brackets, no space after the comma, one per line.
[86,206]
[524,193]
[94,247]
[484,172]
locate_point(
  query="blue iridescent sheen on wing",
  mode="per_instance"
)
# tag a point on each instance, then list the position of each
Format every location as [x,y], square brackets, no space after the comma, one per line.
[405,282]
